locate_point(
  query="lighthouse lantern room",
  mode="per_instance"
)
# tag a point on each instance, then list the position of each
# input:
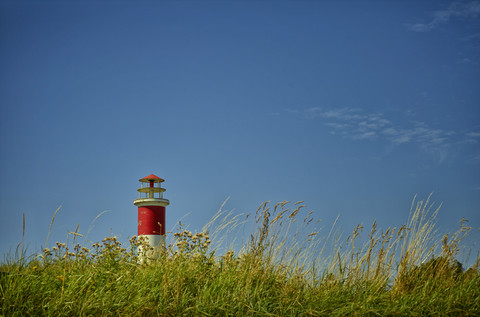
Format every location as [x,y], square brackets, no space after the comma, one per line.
[151,211]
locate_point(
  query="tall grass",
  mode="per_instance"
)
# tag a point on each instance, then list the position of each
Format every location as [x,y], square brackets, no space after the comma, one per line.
[283,266]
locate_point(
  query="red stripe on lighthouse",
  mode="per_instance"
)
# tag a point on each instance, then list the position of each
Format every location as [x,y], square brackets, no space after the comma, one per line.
[151,220]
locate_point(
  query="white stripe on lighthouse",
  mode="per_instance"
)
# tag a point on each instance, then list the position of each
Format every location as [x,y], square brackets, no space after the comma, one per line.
[154,240]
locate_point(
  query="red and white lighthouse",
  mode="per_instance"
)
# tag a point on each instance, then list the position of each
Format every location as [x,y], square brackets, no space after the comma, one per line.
[151,211]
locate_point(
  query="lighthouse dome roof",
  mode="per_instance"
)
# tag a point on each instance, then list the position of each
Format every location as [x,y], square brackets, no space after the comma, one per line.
[151,177]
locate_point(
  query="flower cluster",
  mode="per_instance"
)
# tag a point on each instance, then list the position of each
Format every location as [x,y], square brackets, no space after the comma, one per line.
[191,245]
[109,248]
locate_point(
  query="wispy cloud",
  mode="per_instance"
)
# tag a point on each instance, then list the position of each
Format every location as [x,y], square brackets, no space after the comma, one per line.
[355,124]
[472,137]
[456,9]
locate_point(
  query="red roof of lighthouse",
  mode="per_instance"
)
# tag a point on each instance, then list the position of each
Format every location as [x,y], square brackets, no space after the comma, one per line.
[151,177]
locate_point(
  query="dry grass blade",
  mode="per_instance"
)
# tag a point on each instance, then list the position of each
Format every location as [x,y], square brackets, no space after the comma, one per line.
[76,234]
[91,224]
[51,224]
[23,235]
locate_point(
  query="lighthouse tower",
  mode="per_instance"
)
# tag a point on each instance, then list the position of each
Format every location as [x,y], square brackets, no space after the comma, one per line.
[151,211]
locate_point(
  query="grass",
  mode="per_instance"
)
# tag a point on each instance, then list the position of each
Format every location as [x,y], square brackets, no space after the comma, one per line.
[283,268]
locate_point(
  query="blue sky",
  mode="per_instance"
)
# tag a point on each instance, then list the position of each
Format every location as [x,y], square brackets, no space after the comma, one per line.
[353,107]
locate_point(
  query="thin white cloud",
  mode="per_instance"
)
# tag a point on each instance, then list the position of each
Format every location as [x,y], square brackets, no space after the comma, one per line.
[390,131]
[473,134]
[365,135]
[456,9]
[313,112]
[355,124]
[338,126]
[471,137]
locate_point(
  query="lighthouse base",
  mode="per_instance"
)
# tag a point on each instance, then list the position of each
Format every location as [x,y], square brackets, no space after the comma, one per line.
[152,247]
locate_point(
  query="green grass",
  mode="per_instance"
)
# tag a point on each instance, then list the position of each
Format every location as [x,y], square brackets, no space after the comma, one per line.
[284,268]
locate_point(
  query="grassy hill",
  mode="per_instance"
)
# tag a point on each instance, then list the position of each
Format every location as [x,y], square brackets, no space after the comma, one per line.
[283,269]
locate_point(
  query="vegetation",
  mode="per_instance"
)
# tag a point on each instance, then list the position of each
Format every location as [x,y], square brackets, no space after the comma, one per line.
[284,268]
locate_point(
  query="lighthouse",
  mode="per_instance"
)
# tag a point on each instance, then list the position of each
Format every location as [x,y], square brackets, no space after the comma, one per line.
[151,211]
